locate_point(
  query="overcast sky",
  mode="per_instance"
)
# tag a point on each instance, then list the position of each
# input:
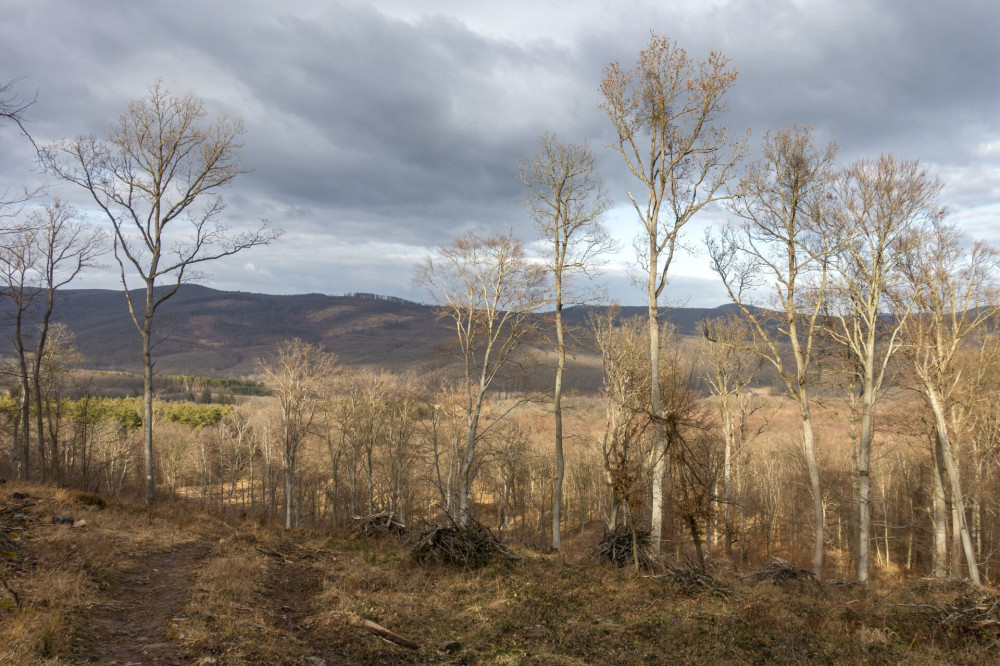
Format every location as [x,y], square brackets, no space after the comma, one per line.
[378,130]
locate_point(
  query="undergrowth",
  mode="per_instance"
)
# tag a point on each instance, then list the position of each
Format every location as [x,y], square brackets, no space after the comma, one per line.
[265,595]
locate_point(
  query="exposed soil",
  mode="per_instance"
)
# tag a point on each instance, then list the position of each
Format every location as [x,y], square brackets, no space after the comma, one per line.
[294,584]
[134,625]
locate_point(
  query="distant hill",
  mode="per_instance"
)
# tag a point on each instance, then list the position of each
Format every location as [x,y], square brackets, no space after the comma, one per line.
[207,332]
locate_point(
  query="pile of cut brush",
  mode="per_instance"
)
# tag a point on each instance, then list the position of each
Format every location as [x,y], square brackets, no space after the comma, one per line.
[472,546]
[975,611]
[624,546]
[975,614]
[378,525]
[692,579]
[778,570]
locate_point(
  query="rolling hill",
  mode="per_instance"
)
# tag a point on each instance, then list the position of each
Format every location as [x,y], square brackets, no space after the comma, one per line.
[203,331]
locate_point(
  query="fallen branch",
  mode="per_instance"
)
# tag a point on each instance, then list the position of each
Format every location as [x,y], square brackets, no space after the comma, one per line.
[391,636]
[16,509]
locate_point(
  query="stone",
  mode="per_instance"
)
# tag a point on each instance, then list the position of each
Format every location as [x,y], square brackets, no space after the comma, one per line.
[450,647]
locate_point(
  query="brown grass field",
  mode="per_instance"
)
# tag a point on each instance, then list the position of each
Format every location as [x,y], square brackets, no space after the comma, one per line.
[173,585]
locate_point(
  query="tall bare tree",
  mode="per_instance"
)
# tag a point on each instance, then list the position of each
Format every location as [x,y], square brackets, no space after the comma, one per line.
[66,246]
[567,201]
[954,291]
[881,204]
[779,245]
[156,177]
[487,287]
[297,374]
[666,114]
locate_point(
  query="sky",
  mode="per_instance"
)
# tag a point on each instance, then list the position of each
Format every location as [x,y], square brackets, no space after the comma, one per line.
[377,131]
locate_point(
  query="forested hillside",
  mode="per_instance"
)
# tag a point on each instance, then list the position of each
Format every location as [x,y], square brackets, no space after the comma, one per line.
[208,332]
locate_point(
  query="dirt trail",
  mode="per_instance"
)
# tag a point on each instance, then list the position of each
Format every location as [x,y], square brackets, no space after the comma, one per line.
[291,594]
[132,626]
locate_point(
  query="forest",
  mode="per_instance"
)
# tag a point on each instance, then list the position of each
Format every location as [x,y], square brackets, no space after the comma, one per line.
[843,416]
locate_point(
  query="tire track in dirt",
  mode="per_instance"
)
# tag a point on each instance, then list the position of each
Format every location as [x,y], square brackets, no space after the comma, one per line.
[133,625]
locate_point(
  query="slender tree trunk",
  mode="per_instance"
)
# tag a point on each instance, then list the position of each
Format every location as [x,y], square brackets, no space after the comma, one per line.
[656,404]
[560,471]
[147,394]
[289,490]
[466,471]
[809,448]
[23,415]
[956,484]
[939,556]
[864,481]
[727,475]
[956,544]
[36,380]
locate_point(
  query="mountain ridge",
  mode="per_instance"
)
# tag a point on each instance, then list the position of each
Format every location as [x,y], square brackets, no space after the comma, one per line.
[210,332]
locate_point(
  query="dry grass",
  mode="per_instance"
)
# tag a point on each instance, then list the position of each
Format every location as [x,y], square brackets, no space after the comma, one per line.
[263,595]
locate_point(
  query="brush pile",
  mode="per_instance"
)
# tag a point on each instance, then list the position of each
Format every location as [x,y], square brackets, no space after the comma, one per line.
[470,547]
[778,570]
[974,611]
[974,614]
[624,547]
[378,525]
[690,579]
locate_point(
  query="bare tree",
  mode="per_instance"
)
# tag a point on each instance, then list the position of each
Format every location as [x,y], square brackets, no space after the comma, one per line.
[626,394]
[880,205]
[665,112]
[18,269]
[779,243]
[297,375]
[59,356]
[954,291]
[155,176]
[567,200]
[487,288]
[66,246]
[730,368]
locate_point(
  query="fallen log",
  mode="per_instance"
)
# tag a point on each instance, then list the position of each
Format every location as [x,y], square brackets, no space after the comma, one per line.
[388,635]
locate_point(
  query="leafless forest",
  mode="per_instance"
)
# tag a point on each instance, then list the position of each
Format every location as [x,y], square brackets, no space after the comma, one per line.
[845,416]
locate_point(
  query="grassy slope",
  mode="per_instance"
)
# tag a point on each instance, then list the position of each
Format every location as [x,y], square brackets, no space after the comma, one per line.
[246,593]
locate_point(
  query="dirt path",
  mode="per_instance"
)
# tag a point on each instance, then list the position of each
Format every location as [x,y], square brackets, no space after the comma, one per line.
[290,590]
[133,625]
[292,596]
